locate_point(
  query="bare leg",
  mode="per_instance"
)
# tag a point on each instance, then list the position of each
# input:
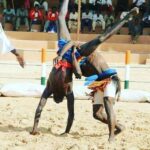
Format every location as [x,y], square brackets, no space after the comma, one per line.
[108,103]
[89,47]
[63,32]
[98,113]
[47,92]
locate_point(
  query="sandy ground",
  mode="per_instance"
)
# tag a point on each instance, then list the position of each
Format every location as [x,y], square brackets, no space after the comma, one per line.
[16,120]
[16,116]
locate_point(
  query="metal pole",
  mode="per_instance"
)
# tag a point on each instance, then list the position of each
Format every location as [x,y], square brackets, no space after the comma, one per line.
[79,16]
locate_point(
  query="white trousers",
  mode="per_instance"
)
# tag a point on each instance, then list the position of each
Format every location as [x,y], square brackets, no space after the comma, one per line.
[100,23]
[109,91]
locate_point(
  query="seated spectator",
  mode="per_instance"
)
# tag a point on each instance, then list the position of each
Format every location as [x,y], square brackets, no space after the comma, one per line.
[86,20]
[73,4]
[83,5]
[107,5]
[98,20]
[42,4]
[36,15]
[122,5]
[141,4]
[145,23]
[1,11]
[99,5]
[50,24]
[104,5]
[4,3]
[27,4]
[9,15]
[22,18]
[109,19]
[135,29]
[73,20]
[92,5]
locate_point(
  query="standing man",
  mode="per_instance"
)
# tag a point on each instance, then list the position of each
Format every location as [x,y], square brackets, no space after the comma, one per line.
[6,46]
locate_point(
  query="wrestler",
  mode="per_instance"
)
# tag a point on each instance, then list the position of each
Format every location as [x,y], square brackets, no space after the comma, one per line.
[6,46]
[106,89]
[60,80]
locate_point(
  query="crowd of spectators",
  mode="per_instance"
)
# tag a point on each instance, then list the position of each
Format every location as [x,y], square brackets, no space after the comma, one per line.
[94,13]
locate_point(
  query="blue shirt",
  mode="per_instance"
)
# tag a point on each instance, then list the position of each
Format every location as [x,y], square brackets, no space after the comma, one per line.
[68,54]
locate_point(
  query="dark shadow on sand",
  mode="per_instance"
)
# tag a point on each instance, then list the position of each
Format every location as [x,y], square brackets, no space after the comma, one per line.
[42,130]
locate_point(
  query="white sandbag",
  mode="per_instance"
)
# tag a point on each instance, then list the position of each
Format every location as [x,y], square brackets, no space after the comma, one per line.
[36,90]
[134,96]
[126,95]
[22,90]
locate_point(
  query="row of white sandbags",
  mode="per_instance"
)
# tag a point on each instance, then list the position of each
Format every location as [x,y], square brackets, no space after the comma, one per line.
[35,90]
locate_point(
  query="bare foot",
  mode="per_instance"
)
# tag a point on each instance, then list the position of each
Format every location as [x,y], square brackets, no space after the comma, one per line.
[35,133]
[64,134]
[111,139]
[119,130]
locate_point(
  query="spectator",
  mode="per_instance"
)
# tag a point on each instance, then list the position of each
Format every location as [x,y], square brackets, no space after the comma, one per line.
[98,20]
[135,29]
[104,5]
[27,4]
[122,5]
[92,4]
[107,5]
[86,20]
[1,12]
[9,15]
[145,23]
[99,5]
[36,15]
[83,5]
[50,24]
[22,17]
[4,3]
[140,4]
[42,4]
[109,18]
[73,4]
[73,17]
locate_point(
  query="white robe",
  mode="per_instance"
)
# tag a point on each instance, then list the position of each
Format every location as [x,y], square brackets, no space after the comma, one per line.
[5,45]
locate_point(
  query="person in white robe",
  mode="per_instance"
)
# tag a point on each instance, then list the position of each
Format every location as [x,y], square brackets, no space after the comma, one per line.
[6,46]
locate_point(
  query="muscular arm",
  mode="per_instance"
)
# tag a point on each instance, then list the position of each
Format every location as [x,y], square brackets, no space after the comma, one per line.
[63,51]
[77,70]
[70,106]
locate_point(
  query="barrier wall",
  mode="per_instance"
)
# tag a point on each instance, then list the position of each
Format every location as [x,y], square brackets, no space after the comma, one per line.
[32,42]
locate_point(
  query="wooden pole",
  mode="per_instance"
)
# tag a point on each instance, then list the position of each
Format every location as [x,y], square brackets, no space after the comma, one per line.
[43,61]
[127,69]
[13,4]
[79,21]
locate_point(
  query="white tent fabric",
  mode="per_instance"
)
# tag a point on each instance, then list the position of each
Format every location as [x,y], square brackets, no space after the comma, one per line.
[35,90]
